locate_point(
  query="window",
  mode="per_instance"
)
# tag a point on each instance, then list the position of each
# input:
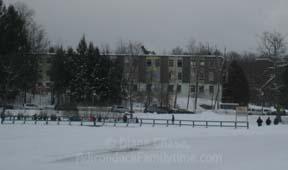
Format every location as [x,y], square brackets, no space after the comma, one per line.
[149,63]
[49,60]
[179,63]
[135,87]
[126,61]
[192,88]
[201,89]
[179,88]
[211,63]
[202,63]
[170,88]
[48,84]
[171,63]
[211,77]
[180,76]
[149,87]
[170,76]
[193,76]
[193,63]
[211,89]
[201,76]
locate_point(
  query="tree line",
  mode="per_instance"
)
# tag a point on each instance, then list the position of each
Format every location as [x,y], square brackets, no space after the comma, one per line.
[86,76]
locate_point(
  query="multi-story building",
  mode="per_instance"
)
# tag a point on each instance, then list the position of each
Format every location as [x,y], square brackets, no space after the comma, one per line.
[171,75]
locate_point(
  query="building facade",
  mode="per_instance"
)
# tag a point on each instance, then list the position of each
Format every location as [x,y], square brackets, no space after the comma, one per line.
[164,77]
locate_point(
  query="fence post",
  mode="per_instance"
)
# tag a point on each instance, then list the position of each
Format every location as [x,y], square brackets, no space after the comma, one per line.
[140,122]
[114,122]
[167,123]
[235,124]
[69,121]
[153,122]
[180,122]
[58,121]
[193,123]
[206,124]
[247,124]
[47,121]
[13,120]
[127,122]
[35,121]
[81,122]
[24,120]
[221,124]
[103,121]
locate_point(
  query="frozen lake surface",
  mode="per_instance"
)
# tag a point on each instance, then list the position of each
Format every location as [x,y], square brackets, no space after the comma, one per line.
[55,147]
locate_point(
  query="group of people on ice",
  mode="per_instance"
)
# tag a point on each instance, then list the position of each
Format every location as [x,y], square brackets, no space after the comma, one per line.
[268,121]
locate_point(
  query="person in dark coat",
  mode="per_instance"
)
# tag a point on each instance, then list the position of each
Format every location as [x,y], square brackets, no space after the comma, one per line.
[137,120]
[2,117]
[173,119]
[99,118]
[276,121]
[94,120]
[268,121]
[34,117]
[125,118]
[259,121]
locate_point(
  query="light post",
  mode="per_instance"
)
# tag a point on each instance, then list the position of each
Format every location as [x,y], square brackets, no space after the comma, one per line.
[68,92]
[93,99]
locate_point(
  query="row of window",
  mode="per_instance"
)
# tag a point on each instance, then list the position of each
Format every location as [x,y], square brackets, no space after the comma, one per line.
[179,88]
[201,76]
[178,62]
[157,63]
[201,89]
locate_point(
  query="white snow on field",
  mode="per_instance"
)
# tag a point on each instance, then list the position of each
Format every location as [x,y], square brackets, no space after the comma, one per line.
[52,147]
[210,116]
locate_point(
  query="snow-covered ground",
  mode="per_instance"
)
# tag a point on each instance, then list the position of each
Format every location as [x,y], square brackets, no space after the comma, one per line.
[73,147]
[52,147]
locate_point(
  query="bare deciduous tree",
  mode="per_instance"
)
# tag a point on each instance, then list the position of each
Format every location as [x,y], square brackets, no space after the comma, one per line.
[131,50]
[272,44]
[37,35]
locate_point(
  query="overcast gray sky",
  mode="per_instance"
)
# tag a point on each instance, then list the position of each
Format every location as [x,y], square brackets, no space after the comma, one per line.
[161,24]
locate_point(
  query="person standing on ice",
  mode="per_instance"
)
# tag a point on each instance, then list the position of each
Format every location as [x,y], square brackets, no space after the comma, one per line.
[276,121]
[2,117]
[259,121]
[173,119]
[268,121]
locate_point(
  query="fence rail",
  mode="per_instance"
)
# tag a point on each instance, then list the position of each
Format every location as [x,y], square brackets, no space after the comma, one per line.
[106,121]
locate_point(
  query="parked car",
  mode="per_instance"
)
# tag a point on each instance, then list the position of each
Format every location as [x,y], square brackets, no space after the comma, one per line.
[181,111]
[157,109]
[119,109]
[49,107]
[7,106]
[75,118]
[31,106]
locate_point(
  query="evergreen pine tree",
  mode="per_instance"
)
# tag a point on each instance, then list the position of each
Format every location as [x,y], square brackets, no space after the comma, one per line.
[236,88]
[284,88]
